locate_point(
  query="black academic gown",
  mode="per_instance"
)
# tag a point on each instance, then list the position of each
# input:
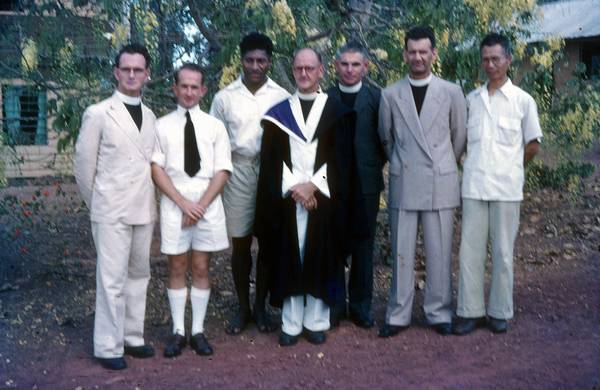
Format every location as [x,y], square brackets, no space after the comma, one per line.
[328,228]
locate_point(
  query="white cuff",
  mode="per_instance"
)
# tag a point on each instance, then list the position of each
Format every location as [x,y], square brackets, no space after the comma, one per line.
[288,180]
[319,179]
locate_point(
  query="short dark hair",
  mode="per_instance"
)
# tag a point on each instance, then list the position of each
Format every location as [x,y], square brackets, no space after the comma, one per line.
[496,39]
[133,48]
[256,41]
[352,47]
[308,48]
[420,32]
[189,66]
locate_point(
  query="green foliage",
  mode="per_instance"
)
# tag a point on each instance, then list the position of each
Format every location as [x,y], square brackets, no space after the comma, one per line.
[73,58]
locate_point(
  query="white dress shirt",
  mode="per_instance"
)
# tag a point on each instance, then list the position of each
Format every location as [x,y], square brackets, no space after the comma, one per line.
[212,140]
[498,129]
[241,112]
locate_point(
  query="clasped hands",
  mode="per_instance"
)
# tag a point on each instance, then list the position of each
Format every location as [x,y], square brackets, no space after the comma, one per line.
[304,194]
[192,212]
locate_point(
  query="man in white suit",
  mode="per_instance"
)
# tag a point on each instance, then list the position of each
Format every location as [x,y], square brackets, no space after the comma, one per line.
[422,125]
[112,169]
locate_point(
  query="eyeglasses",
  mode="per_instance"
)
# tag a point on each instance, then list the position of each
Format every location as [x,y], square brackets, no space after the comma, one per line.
[136,71]
[493,60]
[307,69]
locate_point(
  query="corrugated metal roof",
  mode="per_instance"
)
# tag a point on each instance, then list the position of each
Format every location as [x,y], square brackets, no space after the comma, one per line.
[568,19]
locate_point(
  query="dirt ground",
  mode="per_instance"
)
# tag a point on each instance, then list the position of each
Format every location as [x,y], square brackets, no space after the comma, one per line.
[47,287]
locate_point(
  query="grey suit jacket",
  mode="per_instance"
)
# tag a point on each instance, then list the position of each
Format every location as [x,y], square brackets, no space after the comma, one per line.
[369,153]
[112,164]
[423,150]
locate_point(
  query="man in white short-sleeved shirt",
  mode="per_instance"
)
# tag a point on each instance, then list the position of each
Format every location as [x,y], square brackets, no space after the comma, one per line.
[240,106]
[503,135]
[190,165]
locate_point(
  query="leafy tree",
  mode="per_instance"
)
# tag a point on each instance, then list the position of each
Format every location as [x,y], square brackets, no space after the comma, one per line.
[72,57]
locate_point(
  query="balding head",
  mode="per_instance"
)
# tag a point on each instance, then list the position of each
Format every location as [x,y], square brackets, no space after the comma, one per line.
[308,70]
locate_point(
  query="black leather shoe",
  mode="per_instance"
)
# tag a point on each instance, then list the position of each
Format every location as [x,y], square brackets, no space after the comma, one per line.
[287,340]
[141,352]
[361,320]
[200,345]
[444,328]
[238,323]
[388,330]
[174,345]
[318,337]
[497,325]
[264,322]
[113,363]
[465,326]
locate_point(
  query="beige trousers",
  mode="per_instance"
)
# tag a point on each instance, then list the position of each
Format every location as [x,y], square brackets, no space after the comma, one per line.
[122,275]
[501,221]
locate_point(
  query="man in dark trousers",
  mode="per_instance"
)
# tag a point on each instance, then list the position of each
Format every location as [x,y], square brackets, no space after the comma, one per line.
[303,200]
[355,92]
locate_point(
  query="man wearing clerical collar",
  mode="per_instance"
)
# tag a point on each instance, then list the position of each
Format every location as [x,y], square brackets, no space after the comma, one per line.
[303,200]
[240,106]
[422,124]
[190,165]
[356,92]
[503,136]
[112,170]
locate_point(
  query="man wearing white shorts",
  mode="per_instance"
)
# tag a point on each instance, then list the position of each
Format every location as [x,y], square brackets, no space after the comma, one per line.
[190,165]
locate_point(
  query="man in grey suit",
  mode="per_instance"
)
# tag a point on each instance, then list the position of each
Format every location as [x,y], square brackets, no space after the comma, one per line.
[422,124]
[112,169]
[351,66]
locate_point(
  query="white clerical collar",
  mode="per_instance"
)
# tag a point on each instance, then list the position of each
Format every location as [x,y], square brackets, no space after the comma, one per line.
[420,82]
[131,100]
[308,96]
[350,88]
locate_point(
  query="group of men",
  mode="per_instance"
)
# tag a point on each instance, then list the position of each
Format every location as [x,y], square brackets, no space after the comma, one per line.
[303,174]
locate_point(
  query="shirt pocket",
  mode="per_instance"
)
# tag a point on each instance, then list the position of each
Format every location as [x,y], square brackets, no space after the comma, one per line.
[474,129]
[508,131]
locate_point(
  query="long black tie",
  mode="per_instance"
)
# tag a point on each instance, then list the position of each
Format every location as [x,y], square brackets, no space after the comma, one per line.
[191,159]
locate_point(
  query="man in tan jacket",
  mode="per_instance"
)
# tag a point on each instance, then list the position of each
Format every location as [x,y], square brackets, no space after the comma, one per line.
[112,169]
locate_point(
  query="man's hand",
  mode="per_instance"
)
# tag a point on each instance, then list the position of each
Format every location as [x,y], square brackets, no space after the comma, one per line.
[192,212]
[305,195]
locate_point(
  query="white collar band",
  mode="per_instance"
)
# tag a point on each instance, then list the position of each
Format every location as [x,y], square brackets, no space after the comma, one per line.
[350,88]
[308,96]
[420,82]
[131,100]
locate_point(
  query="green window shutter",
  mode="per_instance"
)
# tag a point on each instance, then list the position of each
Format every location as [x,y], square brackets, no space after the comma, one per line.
[41,136]
[12,111]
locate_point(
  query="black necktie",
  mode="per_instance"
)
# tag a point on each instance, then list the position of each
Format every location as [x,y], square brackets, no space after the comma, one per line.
[191,157]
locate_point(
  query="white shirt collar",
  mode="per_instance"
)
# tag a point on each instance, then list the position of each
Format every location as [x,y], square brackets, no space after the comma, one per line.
[420,82]
[182,110]
[238,83]
[131,100]
[350,88]
[506,89]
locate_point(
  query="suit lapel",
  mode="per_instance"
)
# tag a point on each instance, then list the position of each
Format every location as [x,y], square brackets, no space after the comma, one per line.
[124,121]
[406,105]
[431,105]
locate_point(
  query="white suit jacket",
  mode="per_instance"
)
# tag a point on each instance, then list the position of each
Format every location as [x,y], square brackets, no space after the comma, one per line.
[112,164]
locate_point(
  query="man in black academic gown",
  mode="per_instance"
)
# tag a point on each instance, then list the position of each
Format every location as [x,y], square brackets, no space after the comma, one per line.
[351,65]
[303,200]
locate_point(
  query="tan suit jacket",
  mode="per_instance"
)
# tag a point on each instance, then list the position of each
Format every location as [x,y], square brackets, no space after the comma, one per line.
[423,149]
[112,164]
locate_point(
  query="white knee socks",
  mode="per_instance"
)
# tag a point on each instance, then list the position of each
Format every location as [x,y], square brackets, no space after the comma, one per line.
[177,300]
[199,300]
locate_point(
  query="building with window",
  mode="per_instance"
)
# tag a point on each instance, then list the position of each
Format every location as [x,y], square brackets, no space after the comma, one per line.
[578,23]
